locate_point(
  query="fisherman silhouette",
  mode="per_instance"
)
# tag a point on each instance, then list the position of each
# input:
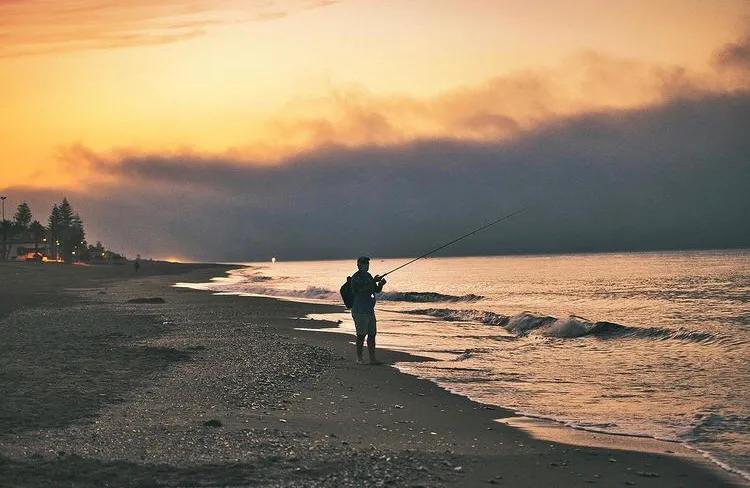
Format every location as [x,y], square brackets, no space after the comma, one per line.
[359,290]
[364,287]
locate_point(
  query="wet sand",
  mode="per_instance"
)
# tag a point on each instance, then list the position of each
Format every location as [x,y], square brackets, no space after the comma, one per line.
[207,390]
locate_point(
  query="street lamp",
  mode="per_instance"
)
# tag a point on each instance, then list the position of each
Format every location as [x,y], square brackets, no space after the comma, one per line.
[5,230]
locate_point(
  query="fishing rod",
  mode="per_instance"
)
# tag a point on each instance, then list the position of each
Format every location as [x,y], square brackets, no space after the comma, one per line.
[485,226]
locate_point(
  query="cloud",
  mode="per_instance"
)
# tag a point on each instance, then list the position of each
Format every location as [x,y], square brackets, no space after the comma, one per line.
[29,27]
[655,159]
[673,175]
[498,109]
[735,55]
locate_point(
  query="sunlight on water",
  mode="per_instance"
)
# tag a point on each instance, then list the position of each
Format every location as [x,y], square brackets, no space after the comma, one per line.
[653,344]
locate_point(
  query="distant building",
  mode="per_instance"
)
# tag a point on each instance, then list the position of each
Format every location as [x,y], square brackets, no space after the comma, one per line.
[26,251]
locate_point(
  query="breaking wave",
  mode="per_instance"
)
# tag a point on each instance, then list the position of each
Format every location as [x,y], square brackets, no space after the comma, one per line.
[314,292]
[451,315]
[528,323]
[319,293]
[426,296]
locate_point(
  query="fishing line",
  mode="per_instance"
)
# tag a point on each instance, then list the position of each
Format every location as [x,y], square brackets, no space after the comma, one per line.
[485,226]
[501,219]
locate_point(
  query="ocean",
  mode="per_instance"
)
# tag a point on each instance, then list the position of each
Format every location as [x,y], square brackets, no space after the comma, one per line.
[653,344]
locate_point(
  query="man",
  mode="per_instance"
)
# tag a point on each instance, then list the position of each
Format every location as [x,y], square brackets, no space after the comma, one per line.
[364,287]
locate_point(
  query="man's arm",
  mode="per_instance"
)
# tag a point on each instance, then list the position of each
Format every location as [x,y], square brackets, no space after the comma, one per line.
[361,284]
[379,282]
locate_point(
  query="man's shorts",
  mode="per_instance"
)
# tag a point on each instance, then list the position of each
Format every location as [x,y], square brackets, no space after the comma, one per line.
[365,324]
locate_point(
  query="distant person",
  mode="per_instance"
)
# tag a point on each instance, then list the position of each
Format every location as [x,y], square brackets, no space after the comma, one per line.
[364,287]
[137,263]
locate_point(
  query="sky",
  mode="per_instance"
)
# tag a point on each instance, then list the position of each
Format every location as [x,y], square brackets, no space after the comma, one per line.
[240,130]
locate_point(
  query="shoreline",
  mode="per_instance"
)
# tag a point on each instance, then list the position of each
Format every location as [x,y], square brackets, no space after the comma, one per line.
[540,427]
[554,430]
[292,407]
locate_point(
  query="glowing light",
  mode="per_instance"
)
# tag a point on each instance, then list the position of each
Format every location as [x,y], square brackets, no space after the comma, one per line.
[273,259]
[175,260]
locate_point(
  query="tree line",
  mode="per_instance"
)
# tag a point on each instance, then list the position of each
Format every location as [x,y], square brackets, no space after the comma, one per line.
[63,238]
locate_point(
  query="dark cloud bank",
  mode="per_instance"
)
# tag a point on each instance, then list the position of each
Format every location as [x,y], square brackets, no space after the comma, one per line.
[675,176]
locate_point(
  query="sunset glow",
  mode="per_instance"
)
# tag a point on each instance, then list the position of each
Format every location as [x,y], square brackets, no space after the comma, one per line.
[264,80]
[539,208]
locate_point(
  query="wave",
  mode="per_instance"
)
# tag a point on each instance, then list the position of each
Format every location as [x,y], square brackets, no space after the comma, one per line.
[314,292]
[451,315]
[258,278]
[527,323]
[426,296]
[712,430]
[320,293]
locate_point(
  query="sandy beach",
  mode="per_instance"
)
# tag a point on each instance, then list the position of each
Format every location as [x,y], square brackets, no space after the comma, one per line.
[206,390]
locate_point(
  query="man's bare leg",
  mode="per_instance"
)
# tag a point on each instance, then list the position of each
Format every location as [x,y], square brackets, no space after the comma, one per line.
[360,348]
[371,349]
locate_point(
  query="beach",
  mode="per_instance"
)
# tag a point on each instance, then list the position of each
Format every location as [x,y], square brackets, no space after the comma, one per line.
[224,390]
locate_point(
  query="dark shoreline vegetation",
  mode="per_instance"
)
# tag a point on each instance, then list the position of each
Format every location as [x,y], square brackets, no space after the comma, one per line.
[63,239]
[223,390]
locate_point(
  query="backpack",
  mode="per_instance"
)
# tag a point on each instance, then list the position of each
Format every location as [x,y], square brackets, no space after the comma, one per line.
[346,293]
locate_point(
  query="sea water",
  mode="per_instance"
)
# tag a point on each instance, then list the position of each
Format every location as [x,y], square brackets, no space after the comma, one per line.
[651,344]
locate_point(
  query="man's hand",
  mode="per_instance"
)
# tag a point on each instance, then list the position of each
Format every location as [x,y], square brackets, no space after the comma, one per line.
[377,278]
[382,281]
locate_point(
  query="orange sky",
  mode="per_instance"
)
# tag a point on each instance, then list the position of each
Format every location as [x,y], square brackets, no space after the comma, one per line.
[265,79]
